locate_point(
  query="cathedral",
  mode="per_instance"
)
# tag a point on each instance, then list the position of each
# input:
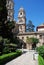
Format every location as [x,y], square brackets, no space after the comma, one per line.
[21,29]
[39,34]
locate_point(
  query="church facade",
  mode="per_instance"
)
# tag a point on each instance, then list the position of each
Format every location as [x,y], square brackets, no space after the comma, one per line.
[39,34]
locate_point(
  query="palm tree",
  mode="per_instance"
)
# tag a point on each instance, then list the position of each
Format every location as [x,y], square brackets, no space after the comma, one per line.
[29,43]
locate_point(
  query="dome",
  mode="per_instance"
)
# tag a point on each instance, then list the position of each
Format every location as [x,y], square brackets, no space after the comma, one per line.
[40,27]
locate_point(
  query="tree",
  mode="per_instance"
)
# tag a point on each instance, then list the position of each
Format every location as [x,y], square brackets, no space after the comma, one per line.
[3,18]
[3,11]
[5,27]
[9,46]
[29,40]
[32,41]
[7,31]
[1,45]
[3,15]
[35,40]
[40,50]
[30,26]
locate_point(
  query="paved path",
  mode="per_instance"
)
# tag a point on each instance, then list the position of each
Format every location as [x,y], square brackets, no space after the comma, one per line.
[24,59]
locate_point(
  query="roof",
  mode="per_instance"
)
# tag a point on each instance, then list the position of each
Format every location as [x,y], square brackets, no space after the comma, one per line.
[30,33]
[40,26]
[21,9]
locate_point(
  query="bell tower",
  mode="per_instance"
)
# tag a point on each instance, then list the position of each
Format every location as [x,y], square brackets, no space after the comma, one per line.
[10,10]
[22,20]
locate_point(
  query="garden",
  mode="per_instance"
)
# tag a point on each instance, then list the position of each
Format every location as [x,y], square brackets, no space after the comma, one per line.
[8,51]
[8,41]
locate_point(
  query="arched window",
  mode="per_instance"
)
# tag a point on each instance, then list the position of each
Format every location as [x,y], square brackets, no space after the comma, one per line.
[40,36]
[43,43]
[22,38]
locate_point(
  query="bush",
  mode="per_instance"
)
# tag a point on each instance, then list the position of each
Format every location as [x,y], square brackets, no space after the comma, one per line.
[7,41]
[12,47]
[8,46]
[19,51]
[7,57]
[40,50]
[40,60]
[6,50]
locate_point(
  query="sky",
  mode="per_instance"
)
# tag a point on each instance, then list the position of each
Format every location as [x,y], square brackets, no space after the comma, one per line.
[34,10]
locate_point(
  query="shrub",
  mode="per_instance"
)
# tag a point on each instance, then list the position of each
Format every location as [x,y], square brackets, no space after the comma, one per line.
[8,46]
[7,57]
[19,51]
[6,50]
[40,50]
[6,41]
[40,60]
[12,47]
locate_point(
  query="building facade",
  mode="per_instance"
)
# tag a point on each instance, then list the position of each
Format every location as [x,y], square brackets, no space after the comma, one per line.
[10,9]
[39,34]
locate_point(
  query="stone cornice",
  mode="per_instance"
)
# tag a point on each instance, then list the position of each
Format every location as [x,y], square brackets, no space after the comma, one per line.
[30,33]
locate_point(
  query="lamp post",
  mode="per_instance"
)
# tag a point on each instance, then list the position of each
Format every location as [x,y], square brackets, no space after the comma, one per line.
[22,48]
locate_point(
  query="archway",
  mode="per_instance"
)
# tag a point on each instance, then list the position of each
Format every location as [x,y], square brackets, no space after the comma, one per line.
[33,46]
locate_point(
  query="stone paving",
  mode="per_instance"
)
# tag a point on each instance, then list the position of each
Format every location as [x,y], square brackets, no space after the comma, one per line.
[24,59]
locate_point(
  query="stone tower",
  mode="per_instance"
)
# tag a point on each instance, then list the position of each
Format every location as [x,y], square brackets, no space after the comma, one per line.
[10,9]
[22,20]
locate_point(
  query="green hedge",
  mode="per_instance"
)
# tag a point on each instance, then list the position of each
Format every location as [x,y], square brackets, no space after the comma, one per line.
[40,50]
[40,60]
[7,57]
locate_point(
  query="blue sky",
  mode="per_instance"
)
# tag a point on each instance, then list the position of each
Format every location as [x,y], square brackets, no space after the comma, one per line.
[34,10]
